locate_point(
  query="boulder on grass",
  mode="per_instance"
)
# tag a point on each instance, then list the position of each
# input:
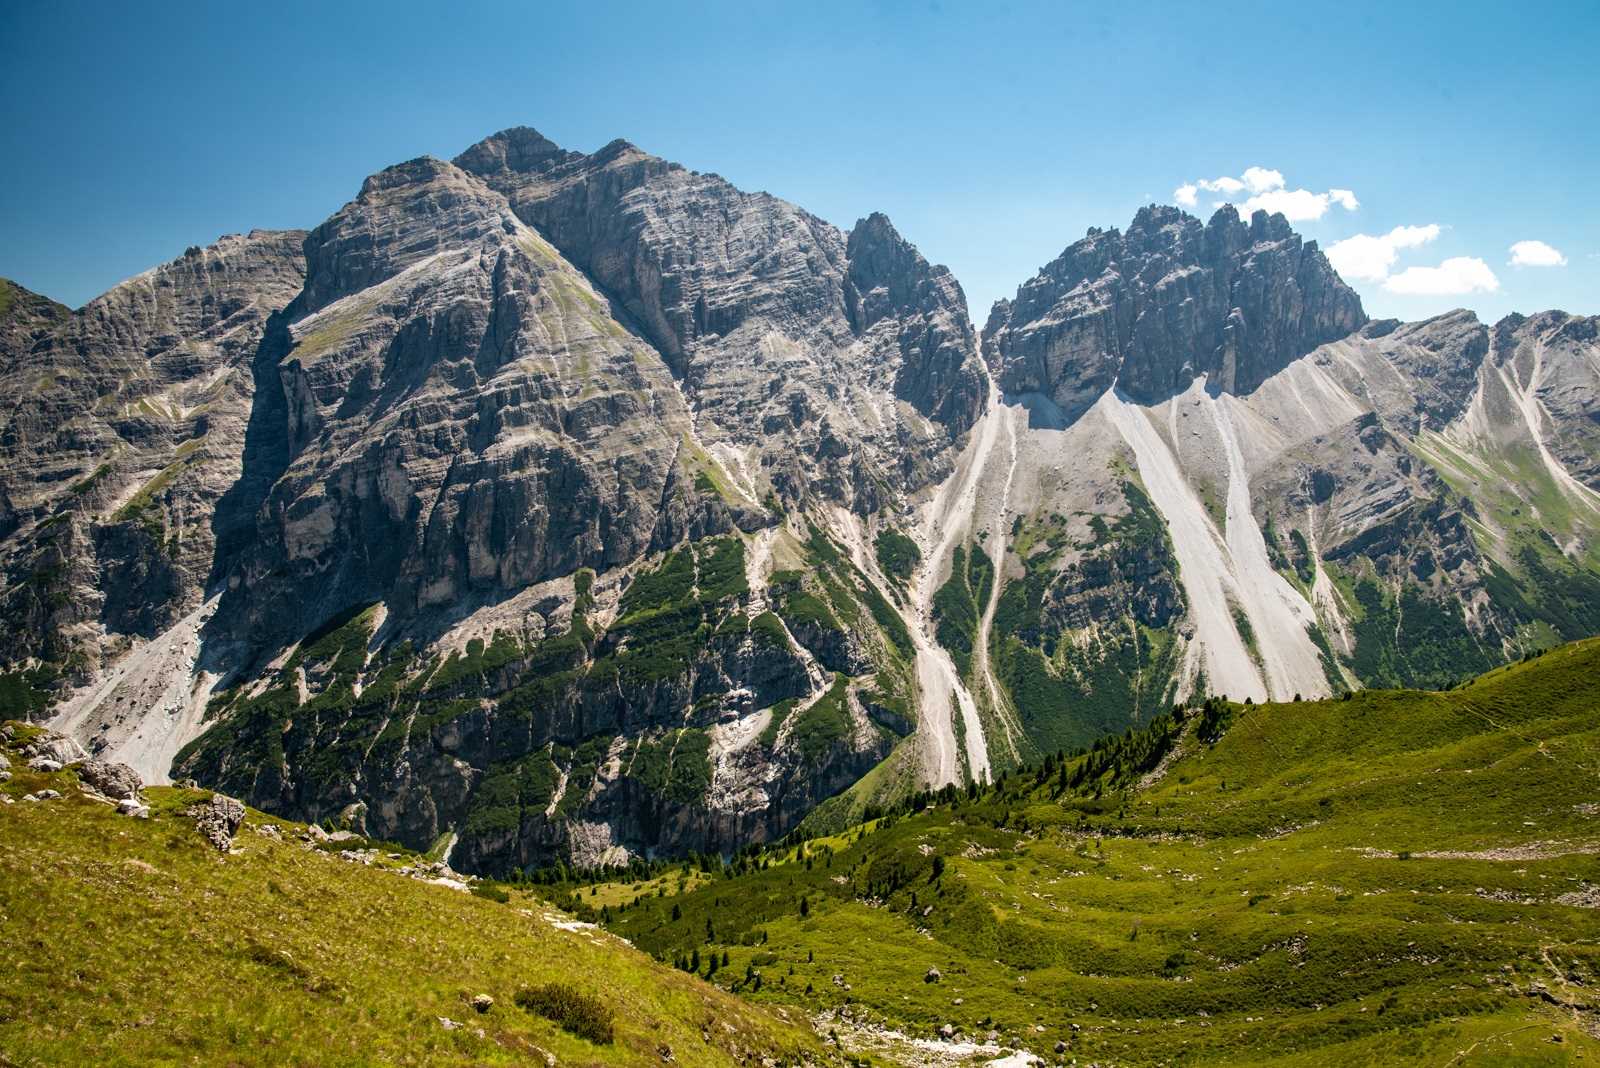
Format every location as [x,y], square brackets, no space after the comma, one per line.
[117,781]
[218,820]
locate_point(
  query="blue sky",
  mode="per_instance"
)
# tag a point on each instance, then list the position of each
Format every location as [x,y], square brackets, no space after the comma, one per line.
[993,134]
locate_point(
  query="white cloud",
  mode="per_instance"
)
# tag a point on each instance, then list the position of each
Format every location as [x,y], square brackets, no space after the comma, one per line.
[1267,192]
[1297,205]
[1453,277]
[1259,179]
[1369,258]
[1536,254]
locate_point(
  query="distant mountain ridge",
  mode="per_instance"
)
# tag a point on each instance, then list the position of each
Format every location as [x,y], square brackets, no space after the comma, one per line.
[582,505]
[1166,302]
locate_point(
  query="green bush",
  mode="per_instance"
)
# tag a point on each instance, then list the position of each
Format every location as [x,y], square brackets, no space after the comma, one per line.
[571,1009]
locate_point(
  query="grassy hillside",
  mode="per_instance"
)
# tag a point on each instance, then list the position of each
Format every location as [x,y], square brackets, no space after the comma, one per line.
[1391,878]
[134,942]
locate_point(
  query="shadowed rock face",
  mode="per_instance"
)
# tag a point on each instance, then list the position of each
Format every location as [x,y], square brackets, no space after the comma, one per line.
[1170,300]
[838,366]
[121,426]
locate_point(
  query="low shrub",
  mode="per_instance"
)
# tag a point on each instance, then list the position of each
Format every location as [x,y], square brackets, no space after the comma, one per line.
[568,1007]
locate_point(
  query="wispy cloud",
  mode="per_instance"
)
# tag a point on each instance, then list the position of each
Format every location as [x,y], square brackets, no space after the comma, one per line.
[1266,190]
[1454,277]
[1369,258]
[1536,254]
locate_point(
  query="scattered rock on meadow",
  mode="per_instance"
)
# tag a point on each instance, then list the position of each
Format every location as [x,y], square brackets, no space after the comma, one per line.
[48,795]
[933,976]
[218,819]
[447,1023]
[61,748]
[483,1003]
[44,764]
[132,806]
[117,781]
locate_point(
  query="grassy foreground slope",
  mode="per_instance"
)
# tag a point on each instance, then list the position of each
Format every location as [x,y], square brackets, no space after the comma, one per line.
[1393,878]
[134,942]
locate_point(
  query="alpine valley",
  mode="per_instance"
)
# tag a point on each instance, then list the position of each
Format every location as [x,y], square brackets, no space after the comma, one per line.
[544,507]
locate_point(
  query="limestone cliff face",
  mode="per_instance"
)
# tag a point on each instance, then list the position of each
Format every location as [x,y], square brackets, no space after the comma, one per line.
[449,413]
[815,362]
[474,382]
[1166,302]
[121,426]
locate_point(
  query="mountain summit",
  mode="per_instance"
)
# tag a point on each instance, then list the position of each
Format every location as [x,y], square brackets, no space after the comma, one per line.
[1169,301]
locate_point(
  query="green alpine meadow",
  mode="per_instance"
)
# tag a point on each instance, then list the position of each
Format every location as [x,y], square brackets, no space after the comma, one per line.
[1389,877]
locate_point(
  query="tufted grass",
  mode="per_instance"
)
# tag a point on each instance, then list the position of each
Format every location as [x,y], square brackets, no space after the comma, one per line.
[132,942]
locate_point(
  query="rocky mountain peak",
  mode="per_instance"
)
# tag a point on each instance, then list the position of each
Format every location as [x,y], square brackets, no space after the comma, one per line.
[521,148]
[403,215]
[1166,302]
[25,316]
[881,259]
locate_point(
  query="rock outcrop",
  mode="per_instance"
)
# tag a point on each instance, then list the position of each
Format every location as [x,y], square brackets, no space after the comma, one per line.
[217,820]
[117,781]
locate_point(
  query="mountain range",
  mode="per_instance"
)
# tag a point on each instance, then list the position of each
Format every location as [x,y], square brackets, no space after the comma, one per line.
[582,506]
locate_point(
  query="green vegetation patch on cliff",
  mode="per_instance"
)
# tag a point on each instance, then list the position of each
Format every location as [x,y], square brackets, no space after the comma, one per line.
[898,555]
[826,722]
